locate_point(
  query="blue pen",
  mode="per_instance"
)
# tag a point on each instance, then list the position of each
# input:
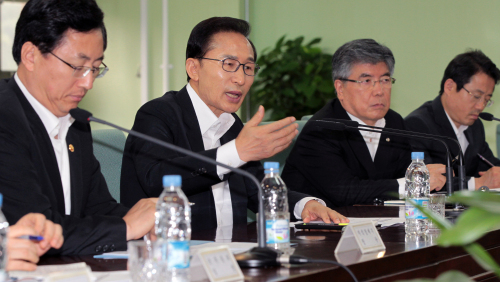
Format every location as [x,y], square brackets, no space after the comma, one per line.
[31,237]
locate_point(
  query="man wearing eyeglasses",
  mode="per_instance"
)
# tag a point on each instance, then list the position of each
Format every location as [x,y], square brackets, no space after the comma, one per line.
[220,64]
[47,163]
[355,167]
[466,90]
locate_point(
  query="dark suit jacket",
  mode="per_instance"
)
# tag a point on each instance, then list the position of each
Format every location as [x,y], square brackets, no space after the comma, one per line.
[172,118]
[431,118]
[336,166]
[30,180]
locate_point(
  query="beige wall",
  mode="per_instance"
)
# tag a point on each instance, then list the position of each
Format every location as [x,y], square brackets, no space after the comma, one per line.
[424,36]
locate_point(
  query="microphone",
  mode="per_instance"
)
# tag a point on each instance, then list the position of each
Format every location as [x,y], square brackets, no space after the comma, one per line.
[340,126]
[488,117]
[461,166]
[260,256]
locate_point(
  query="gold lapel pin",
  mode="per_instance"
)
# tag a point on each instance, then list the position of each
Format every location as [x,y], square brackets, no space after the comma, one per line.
[388,139]
[71,148]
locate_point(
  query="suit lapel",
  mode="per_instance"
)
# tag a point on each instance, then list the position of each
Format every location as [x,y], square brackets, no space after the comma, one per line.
[446,129]
[356,141]
[44,145]
[191,124]
[471,150]
[75,165]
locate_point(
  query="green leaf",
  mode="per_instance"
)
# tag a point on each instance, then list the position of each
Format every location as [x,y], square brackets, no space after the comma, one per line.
[483,258]
[314,41]
[468,228]
[483,200]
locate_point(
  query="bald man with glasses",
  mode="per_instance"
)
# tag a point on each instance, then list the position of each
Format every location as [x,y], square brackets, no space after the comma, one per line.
[466,90]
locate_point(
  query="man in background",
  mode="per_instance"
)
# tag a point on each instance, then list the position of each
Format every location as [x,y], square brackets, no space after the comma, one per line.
[466,90]
[355,167]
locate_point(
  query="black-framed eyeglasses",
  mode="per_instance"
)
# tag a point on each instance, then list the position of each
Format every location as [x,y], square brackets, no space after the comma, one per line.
[82,71]
[232,65]
[385,82]
[476,98]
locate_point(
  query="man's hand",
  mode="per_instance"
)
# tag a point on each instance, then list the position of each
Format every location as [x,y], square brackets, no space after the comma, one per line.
[490,178]
[313,210]
[255,143]
[23,253]
[436,177]
[140,219]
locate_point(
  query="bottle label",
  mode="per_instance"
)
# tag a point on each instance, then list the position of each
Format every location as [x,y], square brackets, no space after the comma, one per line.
[178,254]
[277,231]
[412,212]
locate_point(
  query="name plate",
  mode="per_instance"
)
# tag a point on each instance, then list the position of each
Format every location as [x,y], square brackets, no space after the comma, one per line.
[361,236]
[219,264]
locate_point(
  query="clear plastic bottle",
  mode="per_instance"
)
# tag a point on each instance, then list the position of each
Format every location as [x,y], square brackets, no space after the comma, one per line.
[4,227]
[173,228]
[276,208]
[417,188]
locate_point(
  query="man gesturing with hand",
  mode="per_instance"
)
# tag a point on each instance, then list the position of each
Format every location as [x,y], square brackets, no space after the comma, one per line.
[220,64]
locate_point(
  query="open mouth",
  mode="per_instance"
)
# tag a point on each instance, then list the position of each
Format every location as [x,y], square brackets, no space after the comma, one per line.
[234,95]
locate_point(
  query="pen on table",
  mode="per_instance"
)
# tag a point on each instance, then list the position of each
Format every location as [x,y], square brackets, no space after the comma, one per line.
[31,237]
[484,159]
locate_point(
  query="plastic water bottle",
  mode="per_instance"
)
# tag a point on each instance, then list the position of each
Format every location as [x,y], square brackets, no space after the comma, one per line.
[276,208]
[417,188]
[4,226]
[173,228]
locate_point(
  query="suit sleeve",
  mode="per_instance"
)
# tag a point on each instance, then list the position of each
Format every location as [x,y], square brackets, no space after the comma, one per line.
[151,161]
[27,189]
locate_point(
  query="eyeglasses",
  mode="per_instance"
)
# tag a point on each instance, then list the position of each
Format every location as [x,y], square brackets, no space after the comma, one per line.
[82,71]
[365,84]
[231,65]
[476,98]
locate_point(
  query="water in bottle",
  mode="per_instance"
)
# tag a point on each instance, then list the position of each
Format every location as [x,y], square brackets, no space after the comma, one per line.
[3,243]
[173,228]
[276,208]
[417,189]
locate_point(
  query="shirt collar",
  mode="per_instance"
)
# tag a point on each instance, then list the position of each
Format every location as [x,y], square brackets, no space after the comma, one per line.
[378,123]
[206,118]
[51,122]
[460,129]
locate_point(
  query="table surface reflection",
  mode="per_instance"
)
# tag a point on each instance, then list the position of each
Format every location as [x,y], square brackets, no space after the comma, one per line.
[418,257]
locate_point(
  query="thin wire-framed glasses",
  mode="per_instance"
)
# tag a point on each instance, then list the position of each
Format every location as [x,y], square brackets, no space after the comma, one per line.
[476,98]
[83,71]
[385,82]
[232,65]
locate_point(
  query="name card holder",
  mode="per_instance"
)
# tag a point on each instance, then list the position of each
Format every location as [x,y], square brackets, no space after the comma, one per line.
[219,264]
[362,236]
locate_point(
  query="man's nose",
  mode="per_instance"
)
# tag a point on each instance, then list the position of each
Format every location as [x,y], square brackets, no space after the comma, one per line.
[377,88]
[87,81]
[239,76]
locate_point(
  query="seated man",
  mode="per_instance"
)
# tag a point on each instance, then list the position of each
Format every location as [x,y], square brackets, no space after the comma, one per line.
[220,63]
[466,89]
[355,167]
[23,254]
[47,162]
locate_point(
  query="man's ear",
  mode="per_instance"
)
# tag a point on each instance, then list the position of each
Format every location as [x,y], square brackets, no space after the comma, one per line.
[339,88]
[193,68]
[449,86]
[28,55]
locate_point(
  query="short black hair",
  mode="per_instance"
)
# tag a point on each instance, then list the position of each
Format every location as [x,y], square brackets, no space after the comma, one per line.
[44,22]
[203,33]
[466,65]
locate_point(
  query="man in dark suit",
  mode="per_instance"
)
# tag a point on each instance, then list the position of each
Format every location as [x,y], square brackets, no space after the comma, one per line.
[355,167]
[466,89]
[47,163]
[220,63]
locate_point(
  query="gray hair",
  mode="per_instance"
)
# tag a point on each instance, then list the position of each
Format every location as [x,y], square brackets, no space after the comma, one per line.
[360,51]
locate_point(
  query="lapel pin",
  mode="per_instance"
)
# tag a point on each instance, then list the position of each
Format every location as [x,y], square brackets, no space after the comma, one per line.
[388,139]
[71,148]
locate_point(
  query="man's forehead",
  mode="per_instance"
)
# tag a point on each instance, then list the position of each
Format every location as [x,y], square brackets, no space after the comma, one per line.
[231,45]
[81,45]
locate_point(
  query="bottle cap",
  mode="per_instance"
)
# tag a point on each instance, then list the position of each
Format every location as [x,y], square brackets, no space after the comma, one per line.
[172,180]
[417,155]
[1,200]
[271,165]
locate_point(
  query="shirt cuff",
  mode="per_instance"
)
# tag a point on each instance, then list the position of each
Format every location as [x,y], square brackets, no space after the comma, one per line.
[472,184]
[227,154]
[401,189]
[299,206]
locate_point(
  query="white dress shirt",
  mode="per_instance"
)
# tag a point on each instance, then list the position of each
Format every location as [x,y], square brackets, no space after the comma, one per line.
[212,129]
[464,143]
[372,139]
[57,129]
